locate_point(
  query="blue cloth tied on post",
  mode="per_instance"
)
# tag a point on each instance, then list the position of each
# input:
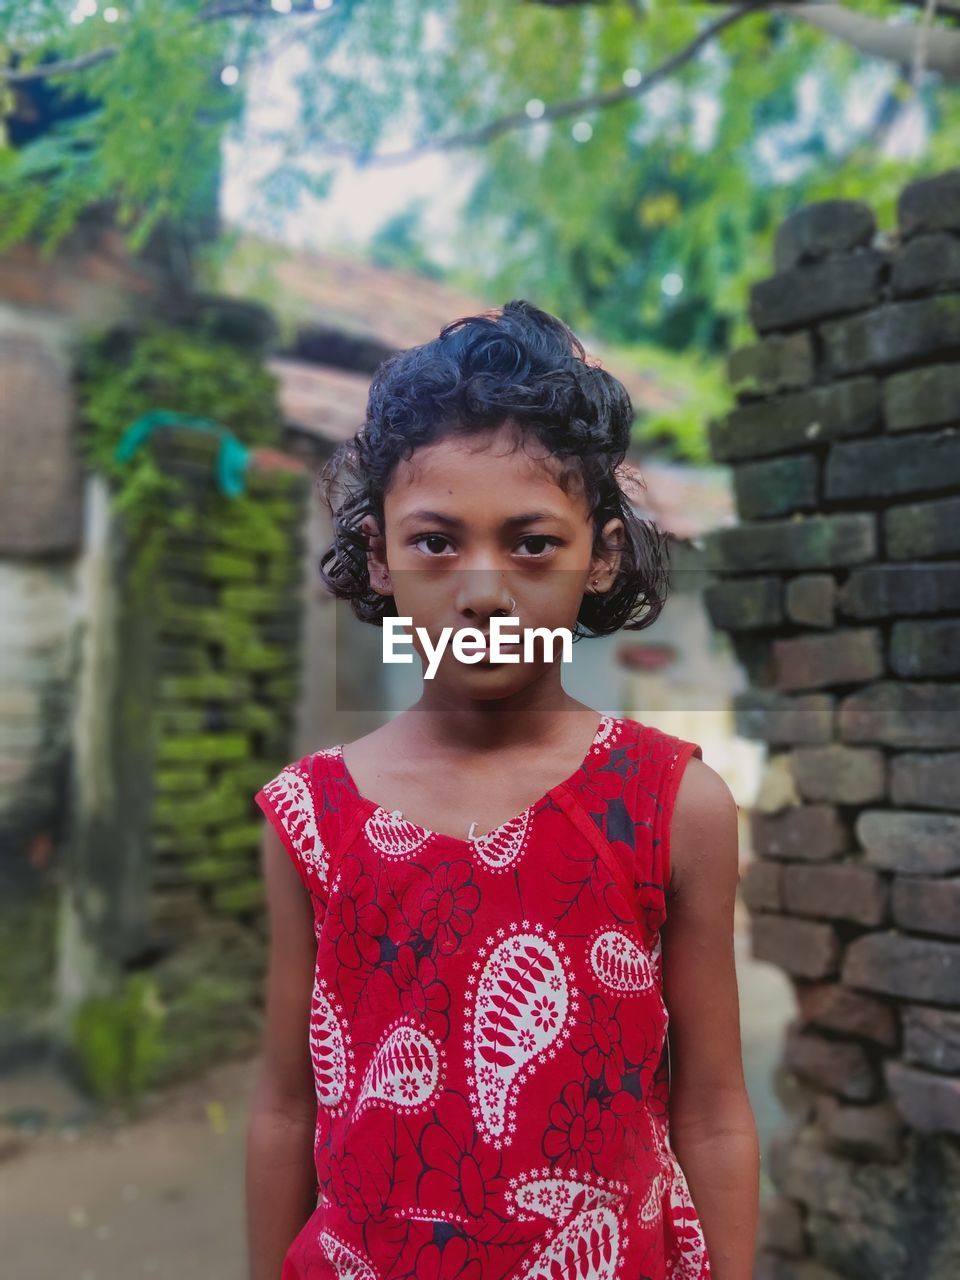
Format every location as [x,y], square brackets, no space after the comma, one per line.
[233,457]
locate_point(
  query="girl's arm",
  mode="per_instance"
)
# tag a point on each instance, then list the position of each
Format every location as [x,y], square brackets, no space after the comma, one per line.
[280,1175]
[712,1128]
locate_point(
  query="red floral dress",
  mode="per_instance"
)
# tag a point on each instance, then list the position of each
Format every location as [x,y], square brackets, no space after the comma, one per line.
[487,1031]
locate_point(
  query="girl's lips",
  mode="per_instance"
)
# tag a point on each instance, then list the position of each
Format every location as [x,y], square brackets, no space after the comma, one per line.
[504,648]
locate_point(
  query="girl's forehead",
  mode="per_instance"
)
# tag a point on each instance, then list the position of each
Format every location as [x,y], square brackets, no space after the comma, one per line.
[503,453]
[485,473]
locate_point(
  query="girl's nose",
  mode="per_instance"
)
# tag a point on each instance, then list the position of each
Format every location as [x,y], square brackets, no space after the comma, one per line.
[482,592]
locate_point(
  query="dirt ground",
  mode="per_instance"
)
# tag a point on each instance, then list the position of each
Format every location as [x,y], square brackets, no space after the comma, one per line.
[96,1198]
[92,1197]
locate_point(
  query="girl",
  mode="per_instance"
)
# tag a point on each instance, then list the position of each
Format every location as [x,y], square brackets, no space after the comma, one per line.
[484,912]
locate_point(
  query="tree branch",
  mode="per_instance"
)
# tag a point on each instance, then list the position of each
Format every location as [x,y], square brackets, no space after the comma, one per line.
[215,13]
[66,67]
[559,110]
[943,10]
[879,39]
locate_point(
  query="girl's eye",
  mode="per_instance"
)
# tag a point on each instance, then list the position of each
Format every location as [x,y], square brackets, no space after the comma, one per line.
[541,538]
[430,537]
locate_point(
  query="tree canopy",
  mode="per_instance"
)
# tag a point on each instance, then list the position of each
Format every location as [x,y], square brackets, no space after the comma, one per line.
[632,156]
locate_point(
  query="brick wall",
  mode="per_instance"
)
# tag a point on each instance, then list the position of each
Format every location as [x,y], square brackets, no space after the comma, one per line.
[840,588]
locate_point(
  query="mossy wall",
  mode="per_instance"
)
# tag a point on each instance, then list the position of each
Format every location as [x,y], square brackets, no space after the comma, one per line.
[203,695]
[220,613]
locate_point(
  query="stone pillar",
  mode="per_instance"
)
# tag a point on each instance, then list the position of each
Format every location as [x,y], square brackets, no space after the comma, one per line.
[841,591]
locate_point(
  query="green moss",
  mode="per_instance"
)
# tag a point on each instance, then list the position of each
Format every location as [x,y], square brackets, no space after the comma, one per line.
[117,1040]
[211,988]
[254,717]
[251,656]
[222,804]
[244,532]
[282,689]
[255,600]
[249,778]
[246,836]
[203,747]
[180,843]
[214,870]
[245,895]
[222,565]
[178,781]
[28,949]
[174,720]
[121,378]
[212,687]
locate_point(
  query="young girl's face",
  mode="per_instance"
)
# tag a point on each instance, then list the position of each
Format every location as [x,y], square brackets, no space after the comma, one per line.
[473,522]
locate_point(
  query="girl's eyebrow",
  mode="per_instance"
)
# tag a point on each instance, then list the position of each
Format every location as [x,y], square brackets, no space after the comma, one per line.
[452,522]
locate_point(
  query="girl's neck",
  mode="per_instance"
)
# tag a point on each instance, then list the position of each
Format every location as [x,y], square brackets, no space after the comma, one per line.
[499,724]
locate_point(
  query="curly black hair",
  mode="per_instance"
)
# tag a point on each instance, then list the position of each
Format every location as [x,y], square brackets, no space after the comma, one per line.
[517,364]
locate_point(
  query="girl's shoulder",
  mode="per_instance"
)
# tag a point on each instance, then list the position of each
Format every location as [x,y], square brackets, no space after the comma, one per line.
[306,804]
[656,747]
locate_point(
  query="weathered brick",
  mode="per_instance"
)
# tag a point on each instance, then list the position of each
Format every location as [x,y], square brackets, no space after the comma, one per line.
[891,335]
[926,264]
[845,656]
[41,512]
[900,714]
[811,599]
[836,1008]
[891,466]
[851,407]
[871,1132]
[927,905]
[927,397]
[800,947]
[811,832]
[926,1101]
[777,486]
[839,1066]
[872,1218]
[931,1037]
[929,648]
[752,652]
[814,542]
[930,204]
[781,1226]
[784,719]
[897,590]
[744,604]
[778,363]
[821,229]
[835,892]
[922,529]
[760,886]
[910,843]
[802,1168]
[839,774]
[898,964]
[924,781]
[833,287]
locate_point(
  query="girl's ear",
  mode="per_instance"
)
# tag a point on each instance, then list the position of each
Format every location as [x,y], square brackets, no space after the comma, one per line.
[605,565]
[377,569]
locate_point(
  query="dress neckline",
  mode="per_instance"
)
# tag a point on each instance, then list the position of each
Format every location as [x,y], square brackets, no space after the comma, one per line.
[395,816]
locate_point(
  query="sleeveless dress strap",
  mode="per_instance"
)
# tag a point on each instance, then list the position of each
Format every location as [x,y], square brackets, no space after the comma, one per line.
[302,804]
[623,803]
